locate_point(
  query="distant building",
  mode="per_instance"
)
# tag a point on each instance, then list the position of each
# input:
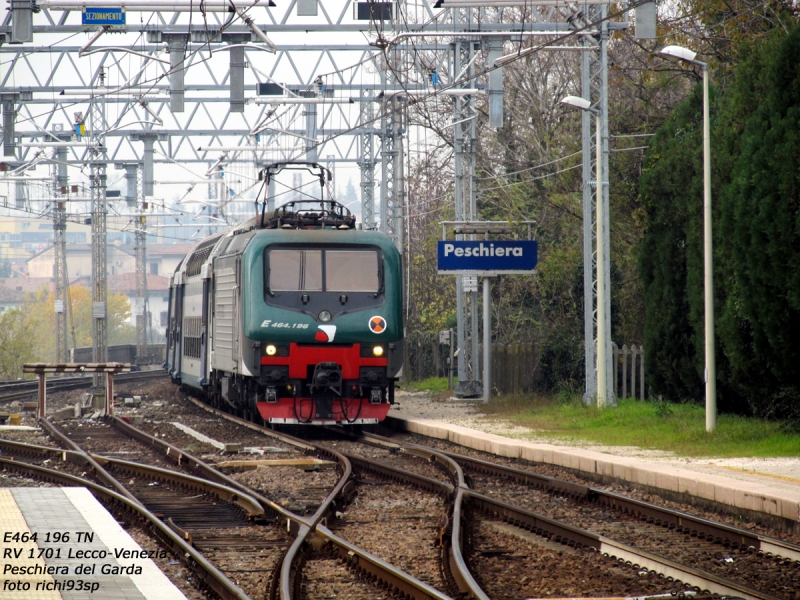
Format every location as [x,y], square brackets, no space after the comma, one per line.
[119,259]
[10,298]
[163,259]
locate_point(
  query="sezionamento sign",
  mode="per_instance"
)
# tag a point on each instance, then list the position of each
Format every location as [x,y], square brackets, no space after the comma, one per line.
[103,16]
[487,258]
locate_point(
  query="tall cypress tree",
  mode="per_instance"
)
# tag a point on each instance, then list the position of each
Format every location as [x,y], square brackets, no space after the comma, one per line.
[671,192]
[761,219]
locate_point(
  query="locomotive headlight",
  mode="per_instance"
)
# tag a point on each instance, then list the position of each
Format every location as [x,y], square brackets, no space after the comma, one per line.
[271,350]
[324,316]
[378,350]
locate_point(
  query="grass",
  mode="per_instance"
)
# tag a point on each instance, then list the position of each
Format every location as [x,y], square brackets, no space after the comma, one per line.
[678,428]
[435,385]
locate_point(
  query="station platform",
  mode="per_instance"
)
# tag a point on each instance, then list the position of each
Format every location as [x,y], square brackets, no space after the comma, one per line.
[62,543]
[766,497]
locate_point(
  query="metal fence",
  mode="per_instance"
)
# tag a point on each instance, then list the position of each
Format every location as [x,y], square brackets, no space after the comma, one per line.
[628,363]
[513,365]
[425,357]
[515,368]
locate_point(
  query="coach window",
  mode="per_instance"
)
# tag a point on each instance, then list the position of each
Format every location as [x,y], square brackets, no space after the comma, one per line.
[351,271]
[295,270]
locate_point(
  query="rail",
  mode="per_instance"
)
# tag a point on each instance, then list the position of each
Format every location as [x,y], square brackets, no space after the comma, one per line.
[207,572]
[574,536]
[362,561]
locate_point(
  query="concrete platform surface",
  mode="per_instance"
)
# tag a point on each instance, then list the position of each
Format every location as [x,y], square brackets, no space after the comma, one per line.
[62,543]
[769,486]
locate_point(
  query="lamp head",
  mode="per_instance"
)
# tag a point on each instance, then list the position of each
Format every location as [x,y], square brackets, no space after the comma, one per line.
[576,102]
[677,53]
[580,103]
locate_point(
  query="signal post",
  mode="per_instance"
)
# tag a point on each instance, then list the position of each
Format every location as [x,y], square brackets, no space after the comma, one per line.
[487,258]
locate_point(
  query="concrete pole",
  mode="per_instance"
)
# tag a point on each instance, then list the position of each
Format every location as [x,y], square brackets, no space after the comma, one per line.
[590,390]
[237,64]
[59,233]
[708,267]
[271,196]
[602,398]
[147,167]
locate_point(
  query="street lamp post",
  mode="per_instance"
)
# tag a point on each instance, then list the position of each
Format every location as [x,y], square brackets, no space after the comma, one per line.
[685,55]
[602,398]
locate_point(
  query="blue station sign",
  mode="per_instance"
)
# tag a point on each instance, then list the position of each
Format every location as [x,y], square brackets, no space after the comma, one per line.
[487,257]
[103,16]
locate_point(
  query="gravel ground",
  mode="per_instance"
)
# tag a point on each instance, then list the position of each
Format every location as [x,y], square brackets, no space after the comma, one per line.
[777,472]
[325,578]
[510,568]
[416,517]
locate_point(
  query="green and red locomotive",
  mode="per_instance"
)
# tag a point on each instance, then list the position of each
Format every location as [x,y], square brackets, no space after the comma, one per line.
[294,317]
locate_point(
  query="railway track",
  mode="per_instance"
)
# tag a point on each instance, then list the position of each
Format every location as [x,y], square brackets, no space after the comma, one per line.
[128,508]
[317,542]
[739,555]
[132,482]
[656,539]
[476,522]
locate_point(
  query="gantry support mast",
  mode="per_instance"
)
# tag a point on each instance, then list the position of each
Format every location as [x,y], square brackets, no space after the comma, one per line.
[98,189]
[142,309]
[366,162]
[60,250]
[594,88]
[464,117]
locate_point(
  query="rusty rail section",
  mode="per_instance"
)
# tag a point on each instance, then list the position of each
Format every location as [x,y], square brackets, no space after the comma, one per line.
[652,513]
[198,466]
[99,472]
[454,562]
[206,571]
[245,500]
[363,562]
[456,565]
[577,537]
[249,505]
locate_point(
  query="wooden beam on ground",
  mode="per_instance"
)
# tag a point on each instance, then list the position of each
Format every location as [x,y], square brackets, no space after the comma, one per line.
[300,463]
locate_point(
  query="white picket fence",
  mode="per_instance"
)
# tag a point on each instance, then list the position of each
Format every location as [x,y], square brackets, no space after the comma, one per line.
[627,361]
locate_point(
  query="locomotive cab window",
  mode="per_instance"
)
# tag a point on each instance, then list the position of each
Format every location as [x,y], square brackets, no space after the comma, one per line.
[295,270]
[352,271]
[336,279]
[323,271]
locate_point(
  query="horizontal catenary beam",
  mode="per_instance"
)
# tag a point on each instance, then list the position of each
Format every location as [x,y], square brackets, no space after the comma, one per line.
[191,47]
[506,3]
[201,134]
[157,91]
[296,28]
[293,100]
[184,161]
[248,149]
[154,5]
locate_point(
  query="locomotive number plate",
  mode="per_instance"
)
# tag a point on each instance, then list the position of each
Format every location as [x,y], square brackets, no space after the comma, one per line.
[279,325]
